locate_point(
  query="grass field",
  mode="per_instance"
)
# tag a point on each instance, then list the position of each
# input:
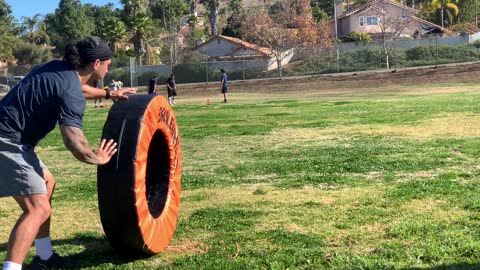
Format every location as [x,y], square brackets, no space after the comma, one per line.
[377,179]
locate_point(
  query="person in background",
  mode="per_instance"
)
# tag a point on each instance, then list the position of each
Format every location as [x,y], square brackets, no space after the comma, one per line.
[114,86]
[99,85]
[224,85]
[171,89]
[152,85]
[53,92]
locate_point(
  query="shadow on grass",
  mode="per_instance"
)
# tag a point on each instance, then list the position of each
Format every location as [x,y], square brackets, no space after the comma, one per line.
[97,251]
[457,266]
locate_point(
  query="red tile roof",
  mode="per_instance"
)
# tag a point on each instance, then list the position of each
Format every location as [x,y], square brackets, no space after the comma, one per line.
[241,43]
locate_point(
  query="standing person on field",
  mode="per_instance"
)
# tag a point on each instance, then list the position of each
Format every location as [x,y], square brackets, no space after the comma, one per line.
[99,85]
[114,86]
[224,85]
[152,85]
[51,93]
[171,89]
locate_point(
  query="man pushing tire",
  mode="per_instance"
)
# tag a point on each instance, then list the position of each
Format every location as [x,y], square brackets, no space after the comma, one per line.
[54,92]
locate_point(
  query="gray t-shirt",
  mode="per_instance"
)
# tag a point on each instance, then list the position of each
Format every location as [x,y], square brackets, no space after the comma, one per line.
[48,95]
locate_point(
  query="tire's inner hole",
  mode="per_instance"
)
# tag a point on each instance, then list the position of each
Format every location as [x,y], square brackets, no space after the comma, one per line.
[158,174]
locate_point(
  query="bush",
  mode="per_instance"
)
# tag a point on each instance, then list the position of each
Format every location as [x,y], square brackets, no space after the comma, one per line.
[476,44]
[356,37]
[432,52]
[27,53]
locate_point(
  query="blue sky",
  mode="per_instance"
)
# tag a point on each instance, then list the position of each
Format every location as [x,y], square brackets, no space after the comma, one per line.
[28,8]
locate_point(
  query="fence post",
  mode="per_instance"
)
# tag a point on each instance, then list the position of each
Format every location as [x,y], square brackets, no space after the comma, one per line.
[356,60]
[131,71]
[206,67]
[337,58]
[243,63]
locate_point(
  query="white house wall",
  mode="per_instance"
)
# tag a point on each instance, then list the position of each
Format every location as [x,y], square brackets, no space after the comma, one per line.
[272,62]
[218,47]
[246,52]
[250,65]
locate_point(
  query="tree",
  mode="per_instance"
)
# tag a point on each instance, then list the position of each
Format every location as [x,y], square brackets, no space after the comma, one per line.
[29,53]
[467,10]
[237,12]
[289,27]
[42,33]
[321,10]
[69,22]
[391,28]
[7,32]
[31,25]
[212,6]
[236,6]
[445,7]
[114,31]
[139,23]
[140,26]
[170,12]
[101,15]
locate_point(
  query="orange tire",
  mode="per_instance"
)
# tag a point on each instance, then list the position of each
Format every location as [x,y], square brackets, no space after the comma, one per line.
[139,189]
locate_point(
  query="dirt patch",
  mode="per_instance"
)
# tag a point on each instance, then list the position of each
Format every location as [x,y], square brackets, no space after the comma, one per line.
[346,83]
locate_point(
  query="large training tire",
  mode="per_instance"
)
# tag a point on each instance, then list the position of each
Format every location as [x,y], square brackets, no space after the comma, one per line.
[139,189]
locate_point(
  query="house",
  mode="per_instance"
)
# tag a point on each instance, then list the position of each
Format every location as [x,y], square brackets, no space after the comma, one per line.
[366,19]
[228,48]
[235,54]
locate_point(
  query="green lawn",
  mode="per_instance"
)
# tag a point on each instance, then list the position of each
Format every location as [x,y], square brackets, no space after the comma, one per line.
[383,179]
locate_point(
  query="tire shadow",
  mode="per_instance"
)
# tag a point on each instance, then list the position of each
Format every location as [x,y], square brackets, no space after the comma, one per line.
[97,251]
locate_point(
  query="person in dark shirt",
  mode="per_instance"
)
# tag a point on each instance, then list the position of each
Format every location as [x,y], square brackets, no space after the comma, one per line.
[53,93]
[152,85]
[224,85]
[171,89]
[99,85]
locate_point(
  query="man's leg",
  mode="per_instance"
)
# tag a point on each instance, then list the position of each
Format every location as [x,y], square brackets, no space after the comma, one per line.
[36,211]
[43,244]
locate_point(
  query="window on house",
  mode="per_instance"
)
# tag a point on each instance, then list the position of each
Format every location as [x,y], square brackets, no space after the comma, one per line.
[372,20]
[362,20]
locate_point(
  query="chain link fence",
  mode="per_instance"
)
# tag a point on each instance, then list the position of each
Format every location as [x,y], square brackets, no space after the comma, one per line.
[134,72]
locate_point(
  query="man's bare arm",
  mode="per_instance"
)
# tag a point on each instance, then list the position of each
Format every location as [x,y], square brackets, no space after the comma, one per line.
[91,92]
[77,143]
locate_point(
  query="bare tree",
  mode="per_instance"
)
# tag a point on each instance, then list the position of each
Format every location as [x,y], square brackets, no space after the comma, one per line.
[170,13]
[290,28]
[391,29]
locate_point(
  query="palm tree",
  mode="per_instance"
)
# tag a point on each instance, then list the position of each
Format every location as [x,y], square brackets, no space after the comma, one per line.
[138,23]
[445,6]
[141,27]
[42,32]
[114,31]
[212,6]
[31,25]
